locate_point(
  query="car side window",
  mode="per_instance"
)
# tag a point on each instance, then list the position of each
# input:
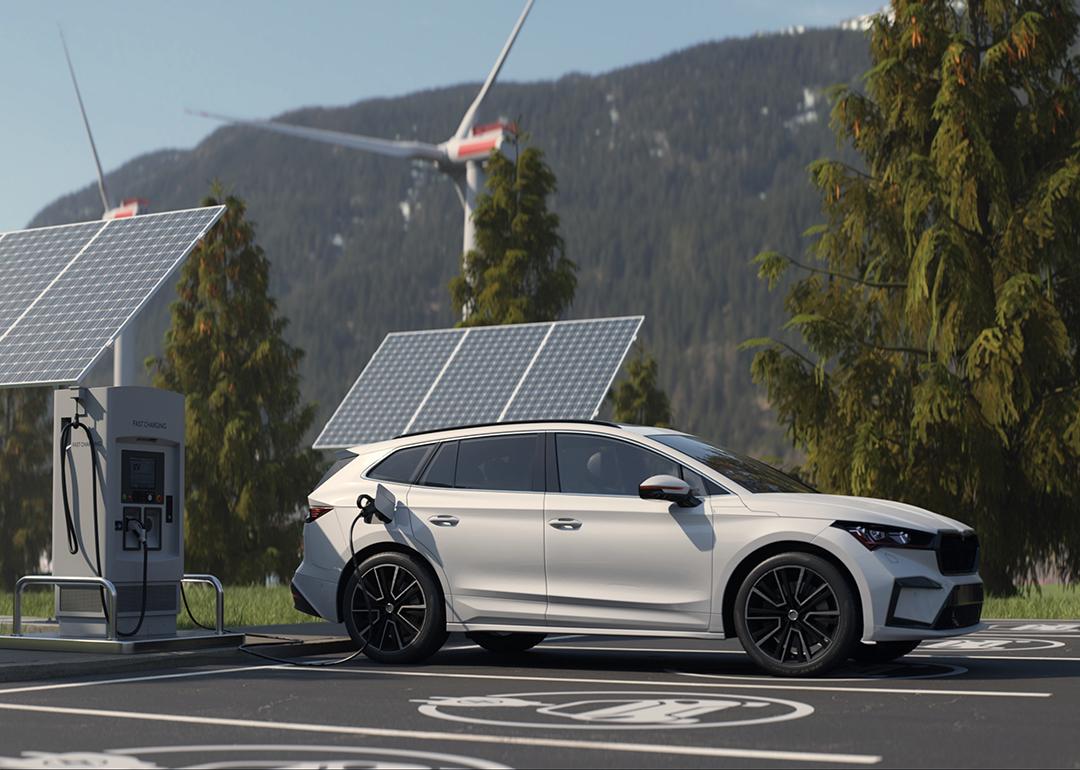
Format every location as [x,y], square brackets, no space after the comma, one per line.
[507,463]
[596,465]
[402,466]
[440,471]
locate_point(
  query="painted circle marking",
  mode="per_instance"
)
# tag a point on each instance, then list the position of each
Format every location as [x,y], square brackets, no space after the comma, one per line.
[615,710]
[989,644]
[313,756]
[873,673]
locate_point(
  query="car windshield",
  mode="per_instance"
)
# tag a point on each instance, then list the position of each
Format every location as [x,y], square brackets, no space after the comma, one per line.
[753,475]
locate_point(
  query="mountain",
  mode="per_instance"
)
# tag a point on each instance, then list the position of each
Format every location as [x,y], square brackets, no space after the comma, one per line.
[672,175]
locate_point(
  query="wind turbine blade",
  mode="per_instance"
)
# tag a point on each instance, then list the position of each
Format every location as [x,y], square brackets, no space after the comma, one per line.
[470,114]
[392,147]
[86,122]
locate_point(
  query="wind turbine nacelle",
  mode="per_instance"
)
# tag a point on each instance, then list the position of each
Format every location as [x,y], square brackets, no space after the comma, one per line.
[479,143]
[129,207]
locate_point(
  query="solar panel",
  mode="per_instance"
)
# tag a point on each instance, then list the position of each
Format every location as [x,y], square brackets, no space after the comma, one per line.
[420,381]
[69,290]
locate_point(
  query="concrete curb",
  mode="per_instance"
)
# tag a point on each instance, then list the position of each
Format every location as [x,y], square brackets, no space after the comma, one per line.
[22,666]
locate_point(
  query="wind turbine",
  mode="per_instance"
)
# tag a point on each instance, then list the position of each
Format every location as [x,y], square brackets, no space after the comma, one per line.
[460,157]
[124,344]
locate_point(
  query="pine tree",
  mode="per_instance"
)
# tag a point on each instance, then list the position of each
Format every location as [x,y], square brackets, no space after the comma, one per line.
[519,273]
[25,476]
[247,474]
[638,399]
[939,308]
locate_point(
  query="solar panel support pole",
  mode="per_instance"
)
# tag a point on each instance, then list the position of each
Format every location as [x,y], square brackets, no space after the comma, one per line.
[124,357]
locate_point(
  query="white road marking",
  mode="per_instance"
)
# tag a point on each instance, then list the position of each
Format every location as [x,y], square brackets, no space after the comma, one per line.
[427,735]
[1019,656]
[132,679]
[683,683]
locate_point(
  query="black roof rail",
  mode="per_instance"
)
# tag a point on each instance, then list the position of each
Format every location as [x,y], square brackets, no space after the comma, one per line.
[509,422]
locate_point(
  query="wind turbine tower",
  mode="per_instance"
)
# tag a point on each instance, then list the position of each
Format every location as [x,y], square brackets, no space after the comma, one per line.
[124,344]
[460,157]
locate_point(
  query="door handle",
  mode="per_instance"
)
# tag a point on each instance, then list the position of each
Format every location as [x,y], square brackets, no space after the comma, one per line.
[444,520]
[565,524]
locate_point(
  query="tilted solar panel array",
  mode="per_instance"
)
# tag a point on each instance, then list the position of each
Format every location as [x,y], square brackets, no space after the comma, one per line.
[420,381]
[67,291]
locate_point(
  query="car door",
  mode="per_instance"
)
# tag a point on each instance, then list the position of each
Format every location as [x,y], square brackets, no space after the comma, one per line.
[615,560]
[478,512]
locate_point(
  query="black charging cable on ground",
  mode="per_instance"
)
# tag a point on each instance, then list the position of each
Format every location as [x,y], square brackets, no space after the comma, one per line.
[367,511]
[69,519]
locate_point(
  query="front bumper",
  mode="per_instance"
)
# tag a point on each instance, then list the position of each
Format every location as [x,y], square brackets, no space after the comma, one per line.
[905,595]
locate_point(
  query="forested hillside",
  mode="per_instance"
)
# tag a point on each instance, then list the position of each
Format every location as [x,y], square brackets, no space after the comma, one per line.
[672,175]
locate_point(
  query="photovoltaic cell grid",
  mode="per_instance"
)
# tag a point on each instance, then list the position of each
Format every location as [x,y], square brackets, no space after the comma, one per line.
[420,381]
[573,372]
[74,287]
[484,373]
[391,388]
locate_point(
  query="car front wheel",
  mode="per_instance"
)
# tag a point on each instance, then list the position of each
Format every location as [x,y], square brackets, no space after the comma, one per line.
[394,610]
[796,615]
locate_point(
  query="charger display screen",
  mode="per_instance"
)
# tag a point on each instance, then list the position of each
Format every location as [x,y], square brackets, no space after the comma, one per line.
[142,477]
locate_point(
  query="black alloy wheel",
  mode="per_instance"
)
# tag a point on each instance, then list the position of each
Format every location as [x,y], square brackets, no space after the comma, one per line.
[796,615]
[395,610]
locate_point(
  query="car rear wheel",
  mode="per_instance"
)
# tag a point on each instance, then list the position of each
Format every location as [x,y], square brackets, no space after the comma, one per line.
[506,642]
[796,615]
[882,652]
[394,609]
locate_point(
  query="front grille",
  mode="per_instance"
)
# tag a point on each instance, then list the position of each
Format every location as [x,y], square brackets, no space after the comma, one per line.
[958,554]
[962,609]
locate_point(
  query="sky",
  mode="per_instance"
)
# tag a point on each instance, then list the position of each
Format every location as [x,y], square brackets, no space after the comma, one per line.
[141,64]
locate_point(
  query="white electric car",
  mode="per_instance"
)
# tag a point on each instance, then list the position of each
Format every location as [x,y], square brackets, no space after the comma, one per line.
[512,531]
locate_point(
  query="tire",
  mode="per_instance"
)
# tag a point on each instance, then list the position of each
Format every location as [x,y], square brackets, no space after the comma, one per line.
[811,607]
[405,608]
[506,642]
[882,652]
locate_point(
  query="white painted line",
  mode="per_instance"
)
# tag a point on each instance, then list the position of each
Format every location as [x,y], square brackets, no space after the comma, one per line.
[1019,656]
[426,735]
[132,679]
[683,683]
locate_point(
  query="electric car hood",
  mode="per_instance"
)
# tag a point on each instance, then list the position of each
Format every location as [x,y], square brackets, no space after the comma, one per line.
[866,510]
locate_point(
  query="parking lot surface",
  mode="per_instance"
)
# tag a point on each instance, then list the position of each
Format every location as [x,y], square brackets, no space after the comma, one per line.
[1006,696]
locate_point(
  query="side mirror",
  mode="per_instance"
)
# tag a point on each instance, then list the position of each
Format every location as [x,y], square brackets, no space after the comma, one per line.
[664,487]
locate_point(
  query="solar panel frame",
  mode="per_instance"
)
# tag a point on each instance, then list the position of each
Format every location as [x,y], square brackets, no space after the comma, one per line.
[16,342]
[335,436]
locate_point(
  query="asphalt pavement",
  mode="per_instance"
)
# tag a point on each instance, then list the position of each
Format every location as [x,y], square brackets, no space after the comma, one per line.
[1005,697]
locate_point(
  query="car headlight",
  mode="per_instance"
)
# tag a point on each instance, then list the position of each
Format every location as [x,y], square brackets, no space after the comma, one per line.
[875,536]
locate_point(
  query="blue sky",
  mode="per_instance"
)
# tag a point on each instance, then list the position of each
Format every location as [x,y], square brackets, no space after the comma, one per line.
[141,64]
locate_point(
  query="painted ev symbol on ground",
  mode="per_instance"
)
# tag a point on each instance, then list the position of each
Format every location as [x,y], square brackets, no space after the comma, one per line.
[255,756]
[987,644]
[613,710]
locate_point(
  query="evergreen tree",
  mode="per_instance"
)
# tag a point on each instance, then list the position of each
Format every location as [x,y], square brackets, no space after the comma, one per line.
[638,399]
[25,481]
[247,474]
[519,273]
[940,305]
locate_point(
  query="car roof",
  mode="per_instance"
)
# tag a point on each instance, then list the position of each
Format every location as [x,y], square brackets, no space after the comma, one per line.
[462,431]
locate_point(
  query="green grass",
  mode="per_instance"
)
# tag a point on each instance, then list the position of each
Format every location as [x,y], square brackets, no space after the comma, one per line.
[244,606]
[1053,602]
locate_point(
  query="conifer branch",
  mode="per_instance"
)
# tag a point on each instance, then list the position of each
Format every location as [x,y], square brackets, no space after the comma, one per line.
[844,276]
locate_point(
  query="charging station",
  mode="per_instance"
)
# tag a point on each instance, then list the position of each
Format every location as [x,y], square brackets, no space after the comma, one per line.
[118,457]
[120,504]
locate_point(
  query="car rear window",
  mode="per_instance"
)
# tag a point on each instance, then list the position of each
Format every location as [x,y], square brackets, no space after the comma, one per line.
[341,459]
[402,466]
